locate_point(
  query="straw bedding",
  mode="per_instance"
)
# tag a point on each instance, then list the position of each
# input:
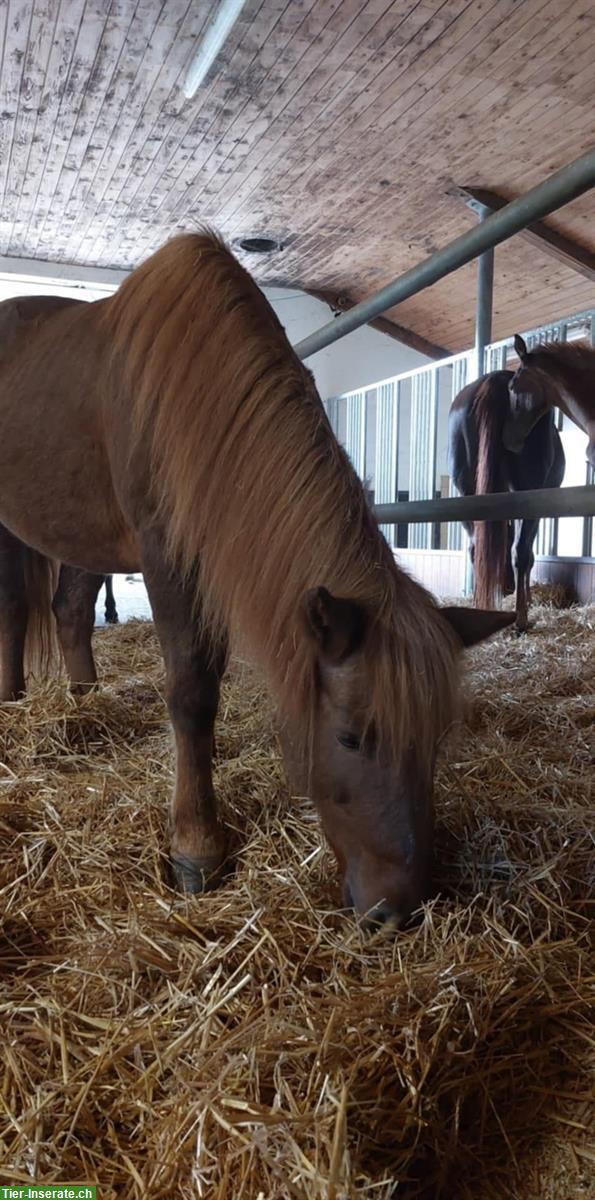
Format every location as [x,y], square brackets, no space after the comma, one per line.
[251,1043]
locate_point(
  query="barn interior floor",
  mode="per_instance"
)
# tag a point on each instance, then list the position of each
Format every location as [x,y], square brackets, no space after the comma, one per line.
[251,1043]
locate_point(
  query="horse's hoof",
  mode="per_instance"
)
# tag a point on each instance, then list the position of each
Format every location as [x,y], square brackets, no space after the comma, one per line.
[521,630]
[83,687]
[195,875]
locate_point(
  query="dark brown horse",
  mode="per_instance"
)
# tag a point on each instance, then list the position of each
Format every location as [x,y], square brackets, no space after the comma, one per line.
[571,367]
[480,463]
[172,429]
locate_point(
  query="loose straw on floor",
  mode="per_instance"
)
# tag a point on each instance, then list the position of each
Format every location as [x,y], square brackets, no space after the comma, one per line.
[250,1043]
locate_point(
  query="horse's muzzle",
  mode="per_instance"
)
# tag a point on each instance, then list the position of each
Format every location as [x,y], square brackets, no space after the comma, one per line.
[381,915]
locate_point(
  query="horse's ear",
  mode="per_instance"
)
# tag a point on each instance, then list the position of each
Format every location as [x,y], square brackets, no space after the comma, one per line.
[474,625]
[520,347]
[337,625]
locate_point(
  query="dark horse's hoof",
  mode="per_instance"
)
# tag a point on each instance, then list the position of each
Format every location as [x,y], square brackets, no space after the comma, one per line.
[196,875]
[112,619]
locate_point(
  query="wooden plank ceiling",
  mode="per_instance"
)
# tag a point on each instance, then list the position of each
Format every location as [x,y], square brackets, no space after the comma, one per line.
[337,125]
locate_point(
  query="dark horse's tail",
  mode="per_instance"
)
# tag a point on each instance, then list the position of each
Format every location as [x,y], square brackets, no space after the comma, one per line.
[490,537]
[41,646]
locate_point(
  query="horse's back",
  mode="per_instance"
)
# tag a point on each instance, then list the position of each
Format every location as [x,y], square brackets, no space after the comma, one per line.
[56,489]
[20,315]
[28,308]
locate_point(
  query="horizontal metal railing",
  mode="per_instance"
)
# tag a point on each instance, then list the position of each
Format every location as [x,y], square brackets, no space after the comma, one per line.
[498,506]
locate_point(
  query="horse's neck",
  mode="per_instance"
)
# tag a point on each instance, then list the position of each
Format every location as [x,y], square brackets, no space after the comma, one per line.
[577,397]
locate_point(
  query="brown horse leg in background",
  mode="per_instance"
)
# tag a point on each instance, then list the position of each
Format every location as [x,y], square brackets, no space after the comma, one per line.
[74,610]
[193,674]
[13,616]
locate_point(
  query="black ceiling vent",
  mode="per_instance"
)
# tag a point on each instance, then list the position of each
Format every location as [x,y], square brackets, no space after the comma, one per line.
[258,244]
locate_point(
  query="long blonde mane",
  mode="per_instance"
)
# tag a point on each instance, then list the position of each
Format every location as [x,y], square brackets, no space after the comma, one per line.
[253,487]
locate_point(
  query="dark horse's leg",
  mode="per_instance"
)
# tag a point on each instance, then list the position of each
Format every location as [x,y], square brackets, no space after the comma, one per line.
[540,464]
[462,457]
[111,612]
[509,582]
[13,616]
[469,528]
[193,675]
[74,609]
[523,564]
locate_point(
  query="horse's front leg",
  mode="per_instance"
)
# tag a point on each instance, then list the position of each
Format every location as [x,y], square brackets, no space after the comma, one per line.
[193,674]
[509,581]
[74,609]
[523,564]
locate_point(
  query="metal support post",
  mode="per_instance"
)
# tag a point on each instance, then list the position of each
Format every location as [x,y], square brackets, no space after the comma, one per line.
[483,306]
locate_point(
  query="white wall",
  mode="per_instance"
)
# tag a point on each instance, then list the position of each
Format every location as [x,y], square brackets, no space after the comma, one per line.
[363,357]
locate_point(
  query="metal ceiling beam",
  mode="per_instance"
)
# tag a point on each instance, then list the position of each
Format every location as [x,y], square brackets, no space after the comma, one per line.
[555,244]
[400,333]
[559,189]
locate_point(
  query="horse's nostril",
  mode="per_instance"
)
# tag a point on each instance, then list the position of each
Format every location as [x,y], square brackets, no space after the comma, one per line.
[395,914]
[382,916]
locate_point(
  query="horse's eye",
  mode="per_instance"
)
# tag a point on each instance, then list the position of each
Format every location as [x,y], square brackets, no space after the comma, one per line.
[350,741]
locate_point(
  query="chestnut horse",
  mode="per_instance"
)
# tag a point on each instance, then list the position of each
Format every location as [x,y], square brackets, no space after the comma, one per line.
[480,463]
[571,367]
[74,592]
[171,429]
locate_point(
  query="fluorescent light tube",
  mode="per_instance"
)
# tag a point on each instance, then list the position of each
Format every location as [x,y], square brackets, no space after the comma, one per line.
[219,29]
